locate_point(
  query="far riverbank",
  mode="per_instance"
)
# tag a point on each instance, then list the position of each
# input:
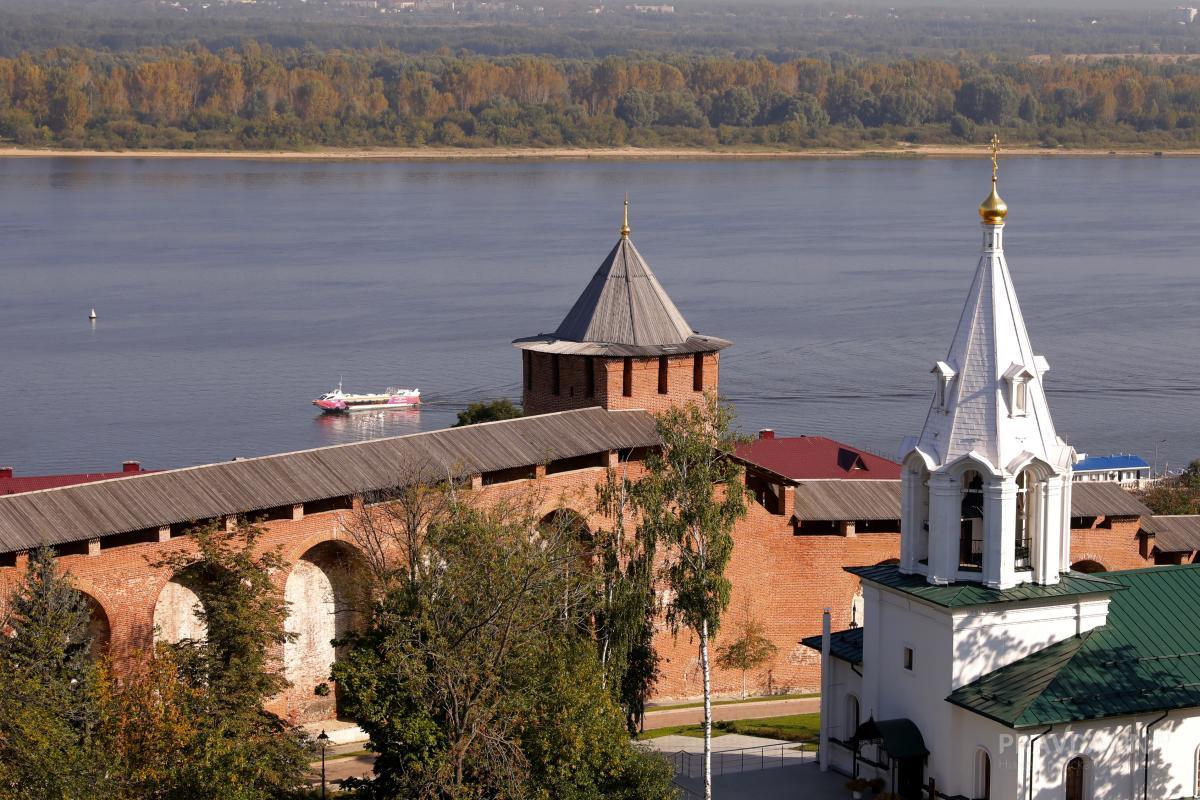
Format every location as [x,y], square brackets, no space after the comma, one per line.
[599,153]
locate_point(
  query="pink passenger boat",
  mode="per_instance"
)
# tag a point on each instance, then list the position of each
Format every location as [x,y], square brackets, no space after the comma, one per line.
[339,402]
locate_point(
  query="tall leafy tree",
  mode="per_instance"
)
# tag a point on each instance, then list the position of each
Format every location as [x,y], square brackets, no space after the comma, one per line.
[476,678]
[625,609]
[690,498]
[242,752]
[48,742]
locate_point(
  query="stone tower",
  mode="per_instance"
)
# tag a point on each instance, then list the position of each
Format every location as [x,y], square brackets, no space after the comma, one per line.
[622,345]
[986,486]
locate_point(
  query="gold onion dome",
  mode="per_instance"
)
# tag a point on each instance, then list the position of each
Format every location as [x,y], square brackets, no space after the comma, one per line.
[993,209]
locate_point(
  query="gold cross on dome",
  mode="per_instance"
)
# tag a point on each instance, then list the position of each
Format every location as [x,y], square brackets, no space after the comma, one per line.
[995,155]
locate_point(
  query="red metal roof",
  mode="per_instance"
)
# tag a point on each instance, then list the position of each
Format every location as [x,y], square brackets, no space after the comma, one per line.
[816,458]
[33,483]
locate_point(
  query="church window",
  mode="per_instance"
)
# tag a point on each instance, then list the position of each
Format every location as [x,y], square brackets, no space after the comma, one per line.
[1017,377]
[983,775]
[663,368]
[627,378]
[908,658]
[943,375]
[1022,552]
[970,542]
[852,715]
[1075,777]
[1020,398]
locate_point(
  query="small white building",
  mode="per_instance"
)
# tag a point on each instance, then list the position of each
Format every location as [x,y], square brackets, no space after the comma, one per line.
[985,668]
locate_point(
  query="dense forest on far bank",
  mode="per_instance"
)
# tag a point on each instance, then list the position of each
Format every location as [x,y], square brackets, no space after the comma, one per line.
[257,97]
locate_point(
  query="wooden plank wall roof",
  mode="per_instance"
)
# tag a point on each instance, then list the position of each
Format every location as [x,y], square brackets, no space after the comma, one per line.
[845,500]
[1175,533]
[1104,499]
[139,502]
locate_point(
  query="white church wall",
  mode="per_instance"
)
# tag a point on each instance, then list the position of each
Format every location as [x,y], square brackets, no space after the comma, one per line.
[955,763]
[845,685]
[988,638]
[1115,757]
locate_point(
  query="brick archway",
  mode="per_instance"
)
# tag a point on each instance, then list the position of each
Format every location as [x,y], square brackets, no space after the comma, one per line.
[100,629]
[326,593]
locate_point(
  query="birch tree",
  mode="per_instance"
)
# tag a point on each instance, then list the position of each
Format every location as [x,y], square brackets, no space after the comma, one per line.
[690,499]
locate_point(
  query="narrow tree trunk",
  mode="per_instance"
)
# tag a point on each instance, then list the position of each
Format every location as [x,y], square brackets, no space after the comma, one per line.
[707,710]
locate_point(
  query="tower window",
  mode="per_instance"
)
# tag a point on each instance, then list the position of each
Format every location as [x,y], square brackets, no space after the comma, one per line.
[943,375]
[555,374]
[1023,544]
[1020,395]
[527,365]
[1018,378]
[627,378]
[970,541]
[698,373]
[908,659]
[663,367]
[591,377]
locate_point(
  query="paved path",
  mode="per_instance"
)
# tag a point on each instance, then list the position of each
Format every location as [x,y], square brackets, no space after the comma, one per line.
[337,769]
[756,710]
[796,782]
[358,766]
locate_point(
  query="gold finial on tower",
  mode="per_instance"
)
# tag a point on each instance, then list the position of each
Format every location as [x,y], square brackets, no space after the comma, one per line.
[993,210]
[625,221]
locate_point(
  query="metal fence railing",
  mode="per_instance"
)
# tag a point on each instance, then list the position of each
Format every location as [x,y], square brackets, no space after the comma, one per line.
[690,764]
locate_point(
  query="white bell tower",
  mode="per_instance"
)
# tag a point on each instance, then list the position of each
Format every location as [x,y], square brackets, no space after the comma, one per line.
[986,491]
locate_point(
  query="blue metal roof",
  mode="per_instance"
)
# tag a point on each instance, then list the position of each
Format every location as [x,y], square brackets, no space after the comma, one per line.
[1097,463]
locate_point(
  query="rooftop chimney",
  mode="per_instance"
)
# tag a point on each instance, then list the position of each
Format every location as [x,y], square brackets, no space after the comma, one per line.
[131,466]
[766,433]
[5,472]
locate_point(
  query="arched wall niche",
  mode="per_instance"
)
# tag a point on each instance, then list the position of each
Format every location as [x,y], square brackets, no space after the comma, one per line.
[325,592]
[176,611]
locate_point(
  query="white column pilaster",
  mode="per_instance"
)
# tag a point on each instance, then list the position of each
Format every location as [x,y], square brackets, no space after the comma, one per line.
[945,515]
[999,539]
[909,525]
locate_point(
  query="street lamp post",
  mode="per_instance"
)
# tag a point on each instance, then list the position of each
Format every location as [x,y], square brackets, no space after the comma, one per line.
[323,740]
[1156,444]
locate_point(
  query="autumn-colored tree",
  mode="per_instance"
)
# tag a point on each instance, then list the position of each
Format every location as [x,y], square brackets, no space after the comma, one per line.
[750,649]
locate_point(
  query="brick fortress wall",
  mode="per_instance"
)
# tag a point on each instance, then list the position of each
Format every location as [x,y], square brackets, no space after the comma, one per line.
[606,385]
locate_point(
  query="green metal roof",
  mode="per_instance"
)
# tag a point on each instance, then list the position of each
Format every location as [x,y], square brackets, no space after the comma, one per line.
[846,645]
[962,595]
[1145,659]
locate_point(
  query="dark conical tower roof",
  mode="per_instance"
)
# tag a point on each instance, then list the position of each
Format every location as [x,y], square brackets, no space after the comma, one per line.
[624,310]
[624,304]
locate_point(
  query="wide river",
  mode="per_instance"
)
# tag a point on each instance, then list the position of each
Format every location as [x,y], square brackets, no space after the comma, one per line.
[230,293]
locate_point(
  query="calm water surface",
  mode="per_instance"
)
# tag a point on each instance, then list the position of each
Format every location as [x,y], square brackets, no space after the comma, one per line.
[231,293]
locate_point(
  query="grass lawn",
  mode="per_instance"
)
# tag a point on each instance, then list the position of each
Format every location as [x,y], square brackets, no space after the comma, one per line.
[793,728]
[765,699]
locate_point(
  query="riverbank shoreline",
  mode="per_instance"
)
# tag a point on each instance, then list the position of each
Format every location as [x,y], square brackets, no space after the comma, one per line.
[592,154]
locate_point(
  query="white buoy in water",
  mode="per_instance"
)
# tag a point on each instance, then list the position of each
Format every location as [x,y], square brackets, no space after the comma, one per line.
[92,316]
